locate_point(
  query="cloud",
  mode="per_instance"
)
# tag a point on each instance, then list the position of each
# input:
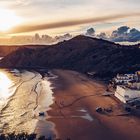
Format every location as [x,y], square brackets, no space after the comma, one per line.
[134,35]
[123,30]
[35,39]
[124,33]
[120,34]
[90,32]
[23,2]
[102,35]
[63,37]
[60,24]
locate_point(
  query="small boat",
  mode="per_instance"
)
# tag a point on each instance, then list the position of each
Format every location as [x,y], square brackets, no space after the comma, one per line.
[41,114]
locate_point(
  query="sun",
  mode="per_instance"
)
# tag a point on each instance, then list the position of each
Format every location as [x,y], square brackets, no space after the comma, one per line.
[8,19]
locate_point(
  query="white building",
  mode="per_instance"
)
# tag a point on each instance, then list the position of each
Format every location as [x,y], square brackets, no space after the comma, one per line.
[125,78]
[125,94]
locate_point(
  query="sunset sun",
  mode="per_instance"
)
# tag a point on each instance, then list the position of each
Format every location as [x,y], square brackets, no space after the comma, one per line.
[8,19]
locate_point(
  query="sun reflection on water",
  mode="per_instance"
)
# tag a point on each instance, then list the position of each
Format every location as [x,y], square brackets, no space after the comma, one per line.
[5,84]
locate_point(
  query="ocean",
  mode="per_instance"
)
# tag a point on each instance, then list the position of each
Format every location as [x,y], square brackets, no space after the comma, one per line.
[23,96]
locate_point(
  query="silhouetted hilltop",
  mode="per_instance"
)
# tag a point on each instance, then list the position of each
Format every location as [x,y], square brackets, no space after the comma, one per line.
[7,49]
[84,54]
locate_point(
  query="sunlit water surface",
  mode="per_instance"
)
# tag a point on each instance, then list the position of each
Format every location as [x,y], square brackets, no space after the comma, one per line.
[23,95]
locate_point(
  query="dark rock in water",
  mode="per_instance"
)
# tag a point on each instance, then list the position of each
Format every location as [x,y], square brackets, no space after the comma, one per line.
[83,54]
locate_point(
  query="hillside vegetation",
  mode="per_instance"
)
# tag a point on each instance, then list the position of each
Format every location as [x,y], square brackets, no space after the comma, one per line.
[81,53]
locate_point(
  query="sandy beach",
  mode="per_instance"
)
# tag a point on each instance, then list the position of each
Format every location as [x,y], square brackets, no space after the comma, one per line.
[69,100]
[73,111]
[23,95]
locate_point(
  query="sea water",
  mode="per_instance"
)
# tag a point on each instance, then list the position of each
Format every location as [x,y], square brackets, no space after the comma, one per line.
[23,95]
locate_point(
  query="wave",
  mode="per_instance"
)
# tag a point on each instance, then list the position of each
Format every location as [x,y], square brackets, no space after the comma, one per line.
[29,95]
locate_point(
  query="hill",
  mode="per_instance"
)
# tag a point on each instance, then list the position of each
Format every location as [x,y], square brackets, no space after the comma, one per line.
[7,49]
[81,53]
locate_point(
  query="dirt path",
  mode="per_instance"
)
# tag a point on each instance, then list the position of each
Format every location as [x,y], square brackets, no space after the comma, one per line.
[73,112]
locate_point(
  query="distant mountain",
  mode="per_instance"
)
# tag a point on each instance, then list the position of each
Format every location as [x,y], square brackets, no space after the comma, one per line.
[84,54]
[7,49]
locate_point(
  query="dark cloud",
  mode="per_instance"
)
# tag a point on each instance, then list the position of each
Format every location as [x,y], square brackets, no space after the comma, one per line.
[90,32]
[122,30]
[134,35]
[21,29]
[120,34]
[124,33]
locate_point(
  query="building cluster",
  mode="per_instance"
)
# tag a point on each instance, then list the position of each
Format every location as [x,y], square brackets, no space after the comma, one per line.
[127,87]
[124,79]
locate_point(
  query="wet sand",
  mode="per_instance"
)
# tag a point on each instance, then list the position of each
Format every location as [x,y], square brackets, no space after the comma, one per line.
[73,111]
[29,93]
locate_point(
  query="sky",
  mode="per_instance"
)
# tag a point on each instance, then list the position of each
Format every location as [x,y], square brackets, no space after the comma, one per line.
[67,16]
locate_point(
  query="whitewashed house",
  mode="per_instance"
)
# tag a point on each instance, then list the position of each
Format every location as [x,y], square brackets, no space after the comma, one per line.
[125,94]
[125,78]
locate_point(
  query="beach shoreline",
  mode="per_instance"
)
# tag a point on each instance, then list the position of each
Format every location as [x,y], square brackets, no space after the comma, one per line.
[69,100]
[73,111]
[28,94]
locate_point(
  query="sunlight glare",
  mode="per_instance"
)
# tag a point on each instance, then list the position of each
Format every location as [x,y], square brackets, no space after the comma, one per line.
[5,84]
[8,19]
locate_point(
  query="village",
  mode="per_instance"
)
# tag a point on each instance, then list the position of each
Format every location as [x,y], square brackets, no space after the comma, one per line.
[127,91]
